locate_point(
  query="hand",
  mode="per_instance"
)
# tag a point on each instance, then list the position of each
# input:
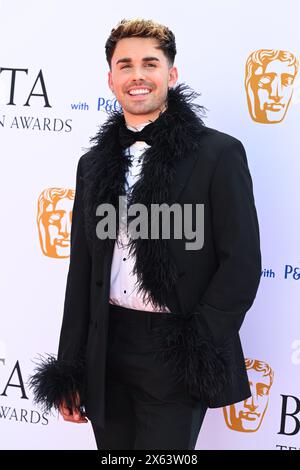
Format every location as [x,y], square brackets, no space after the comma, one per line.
[73,415]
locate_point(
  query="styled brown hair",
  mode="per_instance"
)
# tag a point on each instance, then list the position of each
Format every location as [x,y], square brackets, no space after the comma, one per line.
[142,29]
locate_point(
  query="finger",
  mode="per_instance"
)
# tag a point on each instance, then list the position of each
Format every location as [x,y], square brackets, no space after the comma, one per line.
[81,420]
[73,416]
[76,414]
[79,416]
[65,415]
[77,399]
[64,410]
[71,419]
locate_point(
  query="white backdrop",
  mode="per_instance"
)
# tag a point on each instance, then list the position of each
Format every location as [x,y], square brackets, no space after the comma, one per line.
[65,40]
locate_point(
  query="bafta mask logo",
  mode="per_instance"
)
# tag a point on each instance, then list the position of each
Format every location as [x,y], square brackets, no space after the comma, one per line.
[247,416]
[269,79]
[54,220]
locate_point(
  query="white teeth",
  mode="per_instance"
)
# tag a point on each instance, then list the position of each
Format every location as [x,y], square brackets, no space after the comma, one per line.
[141,91]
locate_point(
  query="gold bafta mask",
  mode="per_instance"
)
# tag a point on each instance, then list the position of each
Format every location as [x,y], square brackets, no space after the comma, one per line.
[247,416]
[269,79]
[54,220]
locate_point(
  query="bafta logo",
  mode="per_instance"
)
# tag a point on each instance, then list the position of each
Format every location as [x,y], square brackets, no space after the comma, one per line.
[54,219]
[269,79]
[248,415]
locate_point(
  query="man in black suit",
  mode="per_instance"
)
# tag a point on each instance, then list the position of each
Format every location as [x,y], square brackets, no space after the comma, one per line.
[150,332]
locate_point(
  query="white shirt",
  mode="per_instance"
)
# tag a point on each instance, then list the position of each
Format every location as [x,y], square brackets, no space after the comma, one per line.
[123,289]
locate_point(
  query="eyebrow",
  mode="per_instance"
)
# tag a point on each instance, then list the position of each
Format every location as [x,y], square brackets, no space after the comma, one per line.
[145,59]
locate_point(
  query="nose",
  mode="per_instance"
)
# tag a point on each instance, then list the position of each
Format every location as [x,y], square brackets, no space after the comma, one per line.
[276,89]
[138,74]
[251,403]
[65,226]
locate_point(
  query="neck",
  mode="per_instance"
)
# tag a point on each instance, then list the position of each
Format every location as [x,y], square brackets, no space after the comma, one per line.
[134,120]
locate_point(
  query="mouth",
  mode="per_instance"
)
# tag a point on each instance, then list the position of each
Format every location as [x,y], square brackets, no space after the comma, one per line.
[274,106]
[62,242]
[251,416]
[139,92]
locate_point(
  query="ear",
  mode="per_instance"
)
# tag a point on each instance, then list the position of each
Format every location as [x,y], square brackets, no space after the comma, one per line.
[110,81]
[173,76]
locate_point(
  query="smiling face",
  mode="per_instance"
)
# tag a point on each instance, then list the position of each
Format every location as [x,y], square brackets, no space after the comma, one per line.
[140,76]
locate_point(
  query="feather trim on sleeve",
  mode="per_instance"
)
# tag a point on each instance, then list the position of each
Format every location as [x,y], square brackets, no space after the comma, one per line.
[57,380]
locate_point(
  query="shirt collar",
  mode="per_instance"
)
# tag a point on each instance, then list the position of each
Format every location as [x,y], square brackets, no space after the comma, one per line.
[139,127]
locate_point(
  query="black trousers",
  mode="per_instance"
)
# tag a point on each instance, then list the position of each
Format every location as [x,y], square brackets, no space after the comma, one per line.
[146,408]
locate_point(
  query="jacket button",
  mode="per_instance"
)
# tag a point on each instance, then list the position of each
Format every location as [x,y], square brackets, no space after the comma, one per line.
[99,282]
[182,273]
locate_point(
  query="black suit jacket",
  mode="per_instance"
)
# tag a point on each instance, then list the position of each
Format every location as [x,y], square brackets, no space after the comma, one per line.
[218,282]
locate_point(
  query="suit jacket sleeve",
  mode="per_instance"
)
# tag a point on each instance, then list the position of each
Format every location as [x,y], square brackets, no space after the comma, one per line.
[77,296]
[233,287]
[57,379]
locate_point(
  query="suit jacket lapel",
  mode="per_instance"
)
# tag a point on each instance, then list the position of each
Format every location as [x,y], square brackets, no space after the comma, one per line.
[183,171]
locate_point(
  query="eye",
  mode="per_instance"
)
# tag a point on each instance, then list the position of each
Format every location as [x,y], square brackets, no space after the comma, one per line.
[150,65]
[262,390]
[125,66]
[264,80]
[54,218]
[287,80]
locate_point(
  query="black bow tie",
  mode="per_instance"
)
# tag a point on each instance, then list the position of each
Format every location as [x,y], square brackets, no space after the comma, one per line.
[128,137]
